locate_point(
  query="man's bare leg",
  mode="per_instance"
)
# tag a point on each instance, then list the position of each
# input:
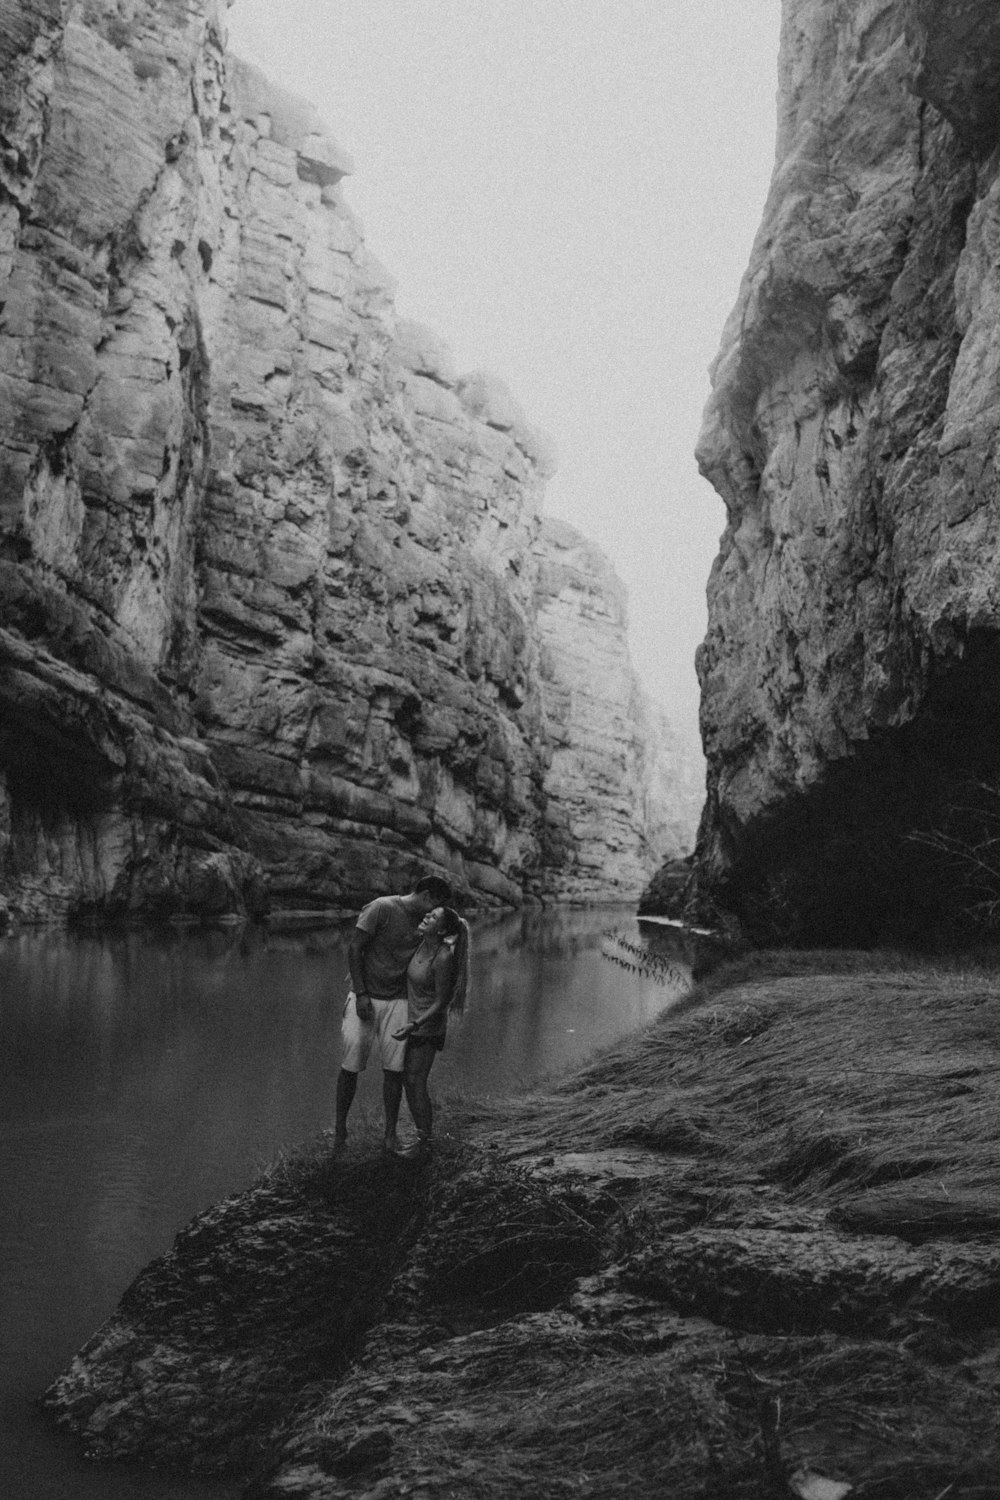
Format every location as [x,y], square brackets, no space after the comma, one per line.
[392,1098]
[347,1087]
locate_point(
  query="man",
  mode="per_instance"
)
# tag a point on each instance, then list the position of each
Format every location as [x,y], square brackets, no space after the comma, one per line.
[385,939]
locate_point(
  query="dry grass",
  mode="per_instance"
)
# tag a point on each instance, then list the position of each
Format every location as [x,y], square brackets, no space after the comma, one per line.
[502,1239]
[827,1083]
[541,1408]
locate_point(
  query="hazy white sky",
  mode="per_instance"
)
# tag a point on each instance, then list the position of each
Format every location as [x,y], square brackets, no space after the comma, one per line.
[566,191]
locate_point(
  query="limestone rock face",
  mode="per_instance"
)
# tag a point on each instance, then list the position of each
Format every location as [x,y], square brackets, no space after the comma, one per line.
[850,671]
[617,795]
[267,563]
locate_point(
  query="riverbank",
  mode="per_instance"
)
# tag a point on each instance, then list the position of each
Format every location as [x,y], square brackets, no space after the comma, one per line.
[750,1248]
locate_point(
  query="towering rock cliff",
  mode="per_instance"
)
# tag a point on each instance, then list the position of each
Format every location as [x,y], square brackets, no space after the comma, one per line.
[851,670]
[615,765]
[269,569]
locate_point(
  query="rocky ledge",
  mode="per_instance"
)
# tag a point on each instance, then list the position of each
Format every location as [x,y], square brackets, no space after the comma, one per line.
[750,1252]
[272,572]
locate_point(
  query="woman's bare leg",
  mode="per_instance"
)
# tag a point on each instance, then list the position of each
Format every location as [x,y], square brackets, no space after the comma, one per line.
[415,1074]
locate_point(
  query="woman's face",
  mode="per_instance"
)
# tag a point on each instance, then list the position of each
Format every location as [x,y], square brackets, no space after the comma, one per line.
[432,922]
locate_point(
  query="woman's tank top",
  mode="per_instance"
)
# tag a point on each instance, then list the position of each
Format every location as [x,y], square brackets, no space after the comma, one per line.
[421,992]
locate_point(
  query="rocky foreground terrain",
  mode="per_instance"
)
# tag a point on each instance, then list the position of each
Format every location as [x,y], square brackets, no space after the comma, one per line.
[280,622]
[751,1252]
[850,671]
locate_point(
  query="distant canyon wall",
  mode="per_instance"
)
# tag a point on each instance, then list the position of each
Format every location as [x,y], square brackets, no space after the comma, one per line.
[616,763]
[851,671]
[279,619]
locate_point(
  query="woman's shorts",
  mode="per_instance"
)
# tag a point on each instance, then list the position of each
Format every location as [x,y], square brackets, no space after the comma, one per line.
[437,1042]
[357,1036]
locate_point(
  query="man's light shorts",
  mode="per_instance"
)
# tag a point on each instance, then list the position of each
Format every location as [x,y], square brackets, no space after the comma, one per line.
[357,1037]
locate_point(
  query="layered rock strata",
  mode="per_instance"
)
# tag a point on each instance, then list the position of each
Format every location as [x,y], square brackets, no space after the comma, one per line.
[615,764]
[268,565]
[850,672]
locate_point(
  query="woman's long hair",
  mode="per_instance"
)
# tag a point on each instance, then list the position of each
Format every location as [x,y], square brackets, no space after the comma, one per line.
[455,926]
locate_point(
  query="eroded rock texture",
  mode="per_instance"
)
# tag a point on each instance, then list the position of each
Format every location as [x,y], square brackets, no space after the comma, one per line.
[851,670]
[614,759]
[268,565]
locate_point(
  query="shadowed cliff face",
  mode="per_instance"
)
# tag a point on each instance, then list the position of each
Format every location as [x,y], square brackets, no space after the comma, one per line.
[849,674]
[268,565]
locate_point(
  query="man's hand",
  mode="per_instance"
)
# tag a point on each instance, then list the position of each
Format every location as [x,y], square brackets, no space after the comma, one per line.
[365,1009]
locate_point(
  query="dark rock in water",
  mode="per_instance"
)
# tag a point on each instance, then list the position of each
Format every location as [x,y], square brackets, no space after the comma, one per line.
[851,670]
[257,1298]
[666,893]
[275,590]
[273,1294]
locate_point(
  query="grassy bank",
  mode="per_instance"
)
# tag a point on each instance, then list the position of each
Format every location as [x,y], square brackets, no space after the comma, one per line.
[749,1249]
[833,1077]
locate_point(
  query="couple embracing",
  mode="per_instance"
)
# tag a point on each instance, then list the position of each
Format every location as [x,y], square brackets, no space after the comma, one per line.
[409,963]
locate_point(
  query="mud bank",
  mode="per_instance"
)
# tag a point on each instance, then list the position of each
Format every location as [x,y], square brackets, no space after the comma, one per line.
[749,1249]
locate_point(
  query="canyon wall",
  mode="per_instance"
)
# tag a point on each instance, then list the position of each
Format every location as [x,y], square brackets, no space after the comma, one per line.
[272,600]
[851,671]
[615,765]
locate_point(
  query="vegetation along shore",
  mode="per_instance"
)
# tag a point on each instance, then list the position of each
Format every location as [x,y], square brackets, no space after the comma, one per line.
[750,1251]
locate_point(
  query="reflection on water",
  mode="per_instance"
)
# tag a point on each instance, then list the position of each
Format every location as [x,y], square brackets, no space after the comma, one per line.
[144,1076]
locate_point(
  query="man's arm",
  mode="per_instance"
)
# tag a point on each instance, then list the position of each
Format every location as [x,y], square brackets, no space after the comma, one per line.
[356,963]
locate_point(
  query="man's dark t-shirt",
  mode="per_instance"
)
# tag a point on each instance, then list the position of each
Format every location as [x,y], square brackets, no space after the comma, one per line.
[393,941]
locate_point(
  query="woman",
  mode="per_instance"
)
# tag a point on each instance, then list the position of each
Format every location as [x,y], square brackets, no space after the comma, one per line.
[437,981]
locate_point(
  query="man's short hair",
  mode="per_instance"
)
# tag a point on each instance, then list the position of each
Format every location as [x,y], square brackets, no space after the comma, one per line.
[436,887]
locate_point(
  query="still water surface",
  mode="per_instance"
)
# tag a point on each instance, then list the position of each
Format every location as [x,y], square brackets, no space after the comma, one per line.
[142,1077]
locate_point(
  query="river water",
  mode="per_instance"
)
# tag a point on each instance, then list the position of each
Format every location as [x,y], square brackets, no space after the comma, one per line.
[144,1076]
